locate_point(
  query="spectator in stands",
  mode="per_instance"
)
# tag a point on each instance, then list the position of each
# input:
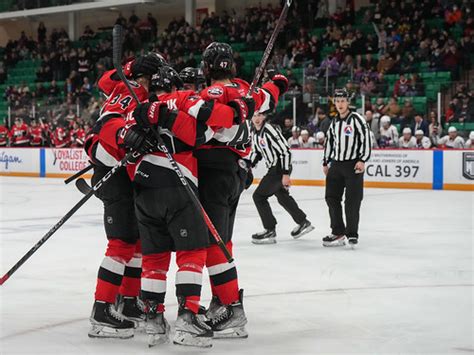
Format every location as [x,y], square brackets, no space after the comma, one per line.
[420,124]
[320,138]
[407,140]
[453,16]
[470,142]
[87,34]
[385,64]
[367,86]
[381,85]
[347,67]
[452,140]
[402,86]
[416,87]
[422,142]
[408,113]
[294,141]
[388,133]
[451,59]
[373,122]
[306,141]
[330,68]
[41,32]
[392,109]
[287,127]
[324,121]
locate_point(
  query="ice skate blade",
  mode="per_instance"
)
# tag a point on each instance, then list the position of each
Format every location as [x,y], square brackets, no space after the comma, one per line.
[157,339]
[103,331]
[231,333]
[337,243]
[188,339]
[264,241]
[305,231]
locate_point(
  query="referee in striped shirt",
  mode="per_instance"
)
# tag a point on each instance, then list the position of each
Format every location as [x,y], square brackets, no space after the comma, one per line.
[268,143]
[346,150]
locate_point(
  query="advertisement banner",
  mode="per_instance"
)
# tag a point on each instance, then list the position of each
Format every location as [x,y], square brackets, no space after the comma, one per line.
[20,161]
[458,170]
[386,168]
[65,161]
[400,168]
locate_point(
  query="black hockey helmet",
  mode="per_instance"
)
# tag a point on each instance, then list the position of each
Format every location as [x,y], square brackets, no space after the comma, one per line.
[218,60]
[190,75]
[165,79]
[343,93]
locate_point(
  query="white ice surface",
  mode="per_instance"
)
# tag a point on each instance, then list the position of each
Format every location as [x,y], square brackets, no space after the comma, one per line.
[408,288]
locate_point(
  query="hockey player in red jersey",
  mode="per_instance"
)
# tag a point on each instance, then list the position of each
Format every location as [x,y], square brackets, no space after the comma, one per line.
[3,136]
[78,135]
[221,162]
[36,134]
[61,138]
[175,223]
[19,136]
[193,79]
[120,270]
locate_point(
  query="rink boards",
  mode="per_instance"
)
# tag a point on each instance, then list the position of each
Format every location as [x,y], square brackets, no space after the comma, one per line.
[417,169]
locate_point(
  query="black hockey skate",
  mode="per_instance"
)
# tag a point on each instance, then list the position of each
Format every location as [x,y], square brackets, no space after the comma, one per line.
[156,325]
[190,330]
[230,321]
[265,237]
[106,322]
[206,314]
[133,309]
[334,240]
[353,241]
[302,229]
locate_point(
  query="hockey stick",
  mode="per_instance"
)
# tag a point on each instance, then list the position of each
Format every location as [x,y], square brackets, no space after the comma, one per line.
[117,56]
[268,50]
[83,186]
[66,217]
[78,174]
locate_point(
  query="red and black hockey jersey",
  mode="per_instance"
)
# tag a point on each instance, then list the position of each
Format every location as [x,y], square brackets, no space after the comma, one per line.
[218,152]
[60,138]
[36,134]
[3,136]
[19,135]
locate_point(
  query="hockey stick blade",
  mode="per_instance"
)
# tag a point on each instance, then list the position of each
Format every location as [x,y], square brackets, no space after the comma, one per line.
[83,186]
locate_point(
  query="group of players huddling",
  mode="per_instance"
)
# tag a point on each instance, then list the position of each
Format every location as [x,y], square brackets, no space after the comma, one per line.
[147,212]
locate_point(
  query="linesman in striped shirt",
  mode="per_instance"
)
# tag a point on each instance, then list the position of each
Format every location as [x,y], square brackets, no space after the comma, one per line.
[346,150]
[269,144]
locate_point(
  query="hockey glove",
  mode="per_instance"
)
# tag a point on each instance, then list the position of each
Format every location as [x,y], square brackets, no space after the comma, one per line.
[155,113]
[279,80]
[243,107]
[136,139]
[144,65]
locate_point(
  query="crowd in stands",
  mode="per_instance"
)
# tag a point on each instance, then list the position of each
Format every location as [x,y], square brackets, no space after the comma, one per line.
[67,74]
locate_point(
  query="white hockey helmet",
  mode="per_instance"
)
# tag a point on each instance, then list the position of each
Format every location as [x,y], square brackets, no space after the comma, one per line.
[406,130]
[471,136]
[452,129]
[385,119]
[320,135]
[419,132]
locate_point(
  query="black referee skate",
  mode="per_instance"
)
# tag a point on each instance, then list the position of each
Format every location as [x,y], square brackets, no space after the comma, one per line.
[302,229]
[334,240]
[191,330]
[265,237]
[156,325]
[229,321]
[353,241]
[106,322]
[133,309]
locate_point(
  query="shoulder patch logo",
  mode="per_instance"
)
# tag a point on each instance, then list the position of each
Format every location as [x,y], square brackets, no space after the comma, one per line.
[215,92]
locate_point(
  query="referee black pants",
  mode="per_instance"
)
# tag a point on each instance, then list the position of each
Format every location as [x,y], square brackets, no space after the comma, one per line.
[269,186]
[342,176]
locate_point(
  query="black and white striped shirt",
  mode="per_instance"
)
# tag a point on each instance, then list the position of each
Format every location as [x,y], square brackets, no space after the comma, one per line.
[347,139]
[268,143]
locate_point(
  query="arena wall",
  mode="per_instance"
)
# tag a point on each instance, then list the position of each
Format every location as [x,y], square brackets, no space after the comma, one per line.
[409,169]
